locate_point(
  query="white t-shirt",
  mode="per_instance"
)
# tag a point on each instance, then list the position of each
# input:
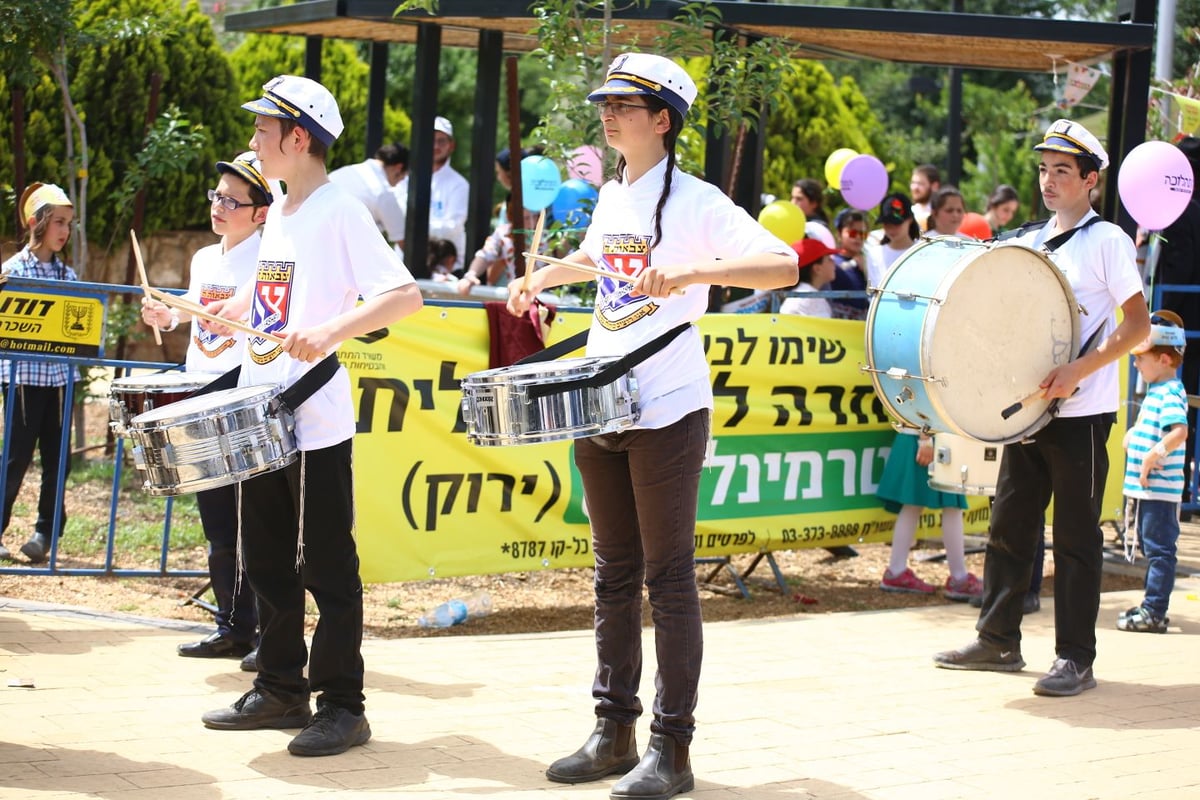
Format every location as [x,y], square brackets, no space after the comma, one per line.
[880,259]
[312,266]
[368,182]
[217,276]
[806,306]
[1099,263]
[699,223]
[449,194]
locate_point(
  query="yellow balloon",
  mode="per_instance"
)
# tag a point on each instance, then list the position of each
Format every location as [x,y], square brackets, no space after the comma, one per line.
[833,166]
[784,219]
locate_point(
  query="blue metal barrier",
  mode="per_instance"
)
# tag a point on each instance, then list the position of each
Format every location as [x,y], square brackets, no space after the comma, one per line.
[83,292]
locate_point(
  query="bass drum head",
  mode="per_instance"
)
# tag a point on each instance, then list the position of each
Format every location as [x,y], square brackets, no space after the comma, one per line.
[1009,317]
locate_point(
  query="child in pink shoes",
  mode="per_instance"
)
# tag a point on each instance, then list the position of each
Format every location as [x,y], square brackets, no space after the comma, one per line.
[904,490]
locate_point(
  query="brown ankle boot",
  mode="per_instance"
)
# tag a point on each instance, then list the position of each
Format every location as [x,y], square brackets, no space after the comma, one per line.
[610,750]
[663,772]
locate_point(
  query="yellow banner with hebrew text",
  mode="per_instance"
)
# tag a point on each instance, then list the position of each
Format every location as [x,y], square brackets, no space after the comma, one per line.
[799,446]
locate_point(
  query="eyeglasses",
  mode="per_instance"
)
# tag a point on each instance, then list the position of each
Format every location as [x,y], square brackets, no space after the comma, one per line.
[604,107]
[228,203]
[853,233]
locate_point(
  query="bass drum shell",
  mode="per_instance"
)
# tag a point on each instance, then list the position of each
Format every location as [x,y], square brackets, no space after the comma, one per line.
[959,331]
[498,410]
[964,466]
[213,440]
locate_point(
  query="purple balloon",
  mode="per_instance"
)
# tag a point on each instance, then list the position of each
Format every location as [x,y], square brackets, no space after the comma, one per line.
[864,182]
[1155,184]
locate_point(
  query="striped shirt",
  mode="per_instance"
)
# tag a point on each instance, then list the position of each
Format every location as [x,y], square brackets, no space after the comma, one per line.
[1164,407]
[38,372]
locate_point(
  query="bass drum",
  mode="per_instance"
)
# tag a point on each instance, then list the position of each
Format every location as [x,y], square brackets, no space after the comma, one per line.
[964,466]
[959,331]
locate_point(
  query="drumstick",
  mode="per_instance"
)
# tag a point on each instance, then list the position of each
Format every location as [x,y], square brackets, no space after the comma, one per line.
[602,273]
[176,301]
[537,241]
[141,268]
[1024,401]
[1017,406]
[171,300]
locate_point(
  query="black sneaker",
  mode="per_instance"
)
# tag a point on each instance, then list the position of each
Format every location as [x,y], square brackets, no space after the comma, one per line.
[333,730]
[1065,679]
[980,655]
[257,709]
[250,661]
[1032,603]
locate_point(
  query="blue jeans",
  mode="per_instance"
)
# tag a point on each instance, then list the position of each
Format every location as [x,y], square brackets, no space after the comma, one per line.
[1158,531]
[642,488]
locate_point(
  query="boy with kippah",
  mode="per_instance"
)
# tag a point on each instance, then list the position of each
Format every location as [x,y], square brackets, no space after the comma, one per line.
[1154,456]
[1066,460]
[237,209]
[320,253]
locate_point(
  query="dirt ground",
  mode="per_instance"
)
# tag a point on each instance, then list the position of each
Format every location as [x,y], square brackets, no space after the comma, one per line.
[550,600]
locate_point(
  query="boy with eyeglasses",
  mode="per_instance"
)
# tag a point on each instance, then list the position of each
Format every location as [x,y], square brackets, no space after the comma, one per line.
[238,208]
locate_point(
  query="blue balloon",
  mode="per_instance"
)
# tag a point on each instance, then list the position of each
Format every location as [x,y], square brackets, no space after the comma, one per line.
[574,203]
[540,180]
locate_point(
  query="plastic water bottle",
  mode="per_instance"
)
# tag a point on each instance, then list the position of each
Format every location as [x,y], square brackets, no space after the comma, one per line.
[457,611]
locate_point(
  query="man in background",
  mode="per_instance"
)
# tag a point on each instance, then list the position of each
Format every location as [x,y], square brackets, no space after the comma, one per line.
[371,181]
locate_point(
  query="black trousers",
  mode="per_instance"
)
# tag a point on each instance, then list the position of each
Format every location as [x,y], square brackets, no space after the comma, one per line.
[270,529]
[1067,460]
[642,491]
[37,422]
[237,614]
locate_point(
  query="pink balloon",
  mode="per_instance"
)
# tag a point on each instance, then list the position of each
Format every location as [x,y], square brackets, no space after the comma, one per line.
[864,181]
[586,163]
[1155,184]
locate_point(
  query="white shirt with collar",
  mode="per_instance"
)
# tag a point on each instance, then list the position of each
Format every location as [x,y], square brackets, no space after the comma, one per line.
[368,182]
[1100,265]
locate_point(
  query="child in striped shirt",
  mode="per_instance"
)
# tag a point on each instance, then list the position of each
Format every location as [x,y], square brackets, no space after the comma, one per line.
[1154,449]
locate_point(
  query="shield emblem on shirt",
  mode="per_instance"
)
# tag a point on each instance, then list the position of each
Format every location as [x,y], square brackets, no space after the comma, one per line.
[271,302]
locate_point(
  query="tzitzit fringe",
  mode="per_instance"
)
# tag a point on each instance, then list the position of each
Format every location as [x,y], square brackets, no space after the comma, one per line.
[300,527]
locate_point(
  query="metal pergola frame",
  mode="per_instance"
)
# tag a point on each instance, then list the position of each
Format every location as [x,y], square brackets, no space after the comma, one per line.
[496,27]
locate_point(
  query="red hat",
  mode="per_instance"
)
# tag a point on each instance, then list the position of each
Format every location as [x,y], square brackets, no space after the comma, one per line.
[811,251]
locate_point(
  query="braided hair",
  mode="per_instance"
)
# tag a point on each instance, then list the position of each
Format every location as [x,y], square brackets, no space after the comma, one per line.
[655,105]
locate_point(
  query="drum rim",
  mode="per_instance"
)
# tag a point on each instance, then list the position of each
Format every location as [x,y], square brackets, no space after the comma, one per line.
[183,379]
[926,330]
[266,392]
[934,396]
[487,375]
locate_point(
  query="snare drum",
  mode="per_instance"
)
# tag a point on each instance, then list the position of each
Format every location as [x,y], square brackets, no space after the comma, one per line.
[213,440]
[959,331]
[138,394]
[964,466]
[498,410]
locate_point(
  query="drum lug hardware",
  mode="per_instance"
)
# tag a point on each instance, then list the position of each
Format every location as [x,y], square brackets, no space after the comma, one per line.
[905,395]
[903,295]
[899,374]
[942,455]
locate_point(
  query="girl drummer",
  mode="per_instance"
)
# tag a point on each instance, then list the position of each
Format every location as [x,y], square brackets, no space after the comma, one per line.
[676,235]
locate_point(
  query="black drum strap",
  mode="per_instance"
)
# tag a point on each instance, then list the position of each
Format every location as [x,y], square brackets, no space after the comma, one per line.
[308,384]
[224,381]
[294,395]
[558,349]
[611,372]
[1054,242]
